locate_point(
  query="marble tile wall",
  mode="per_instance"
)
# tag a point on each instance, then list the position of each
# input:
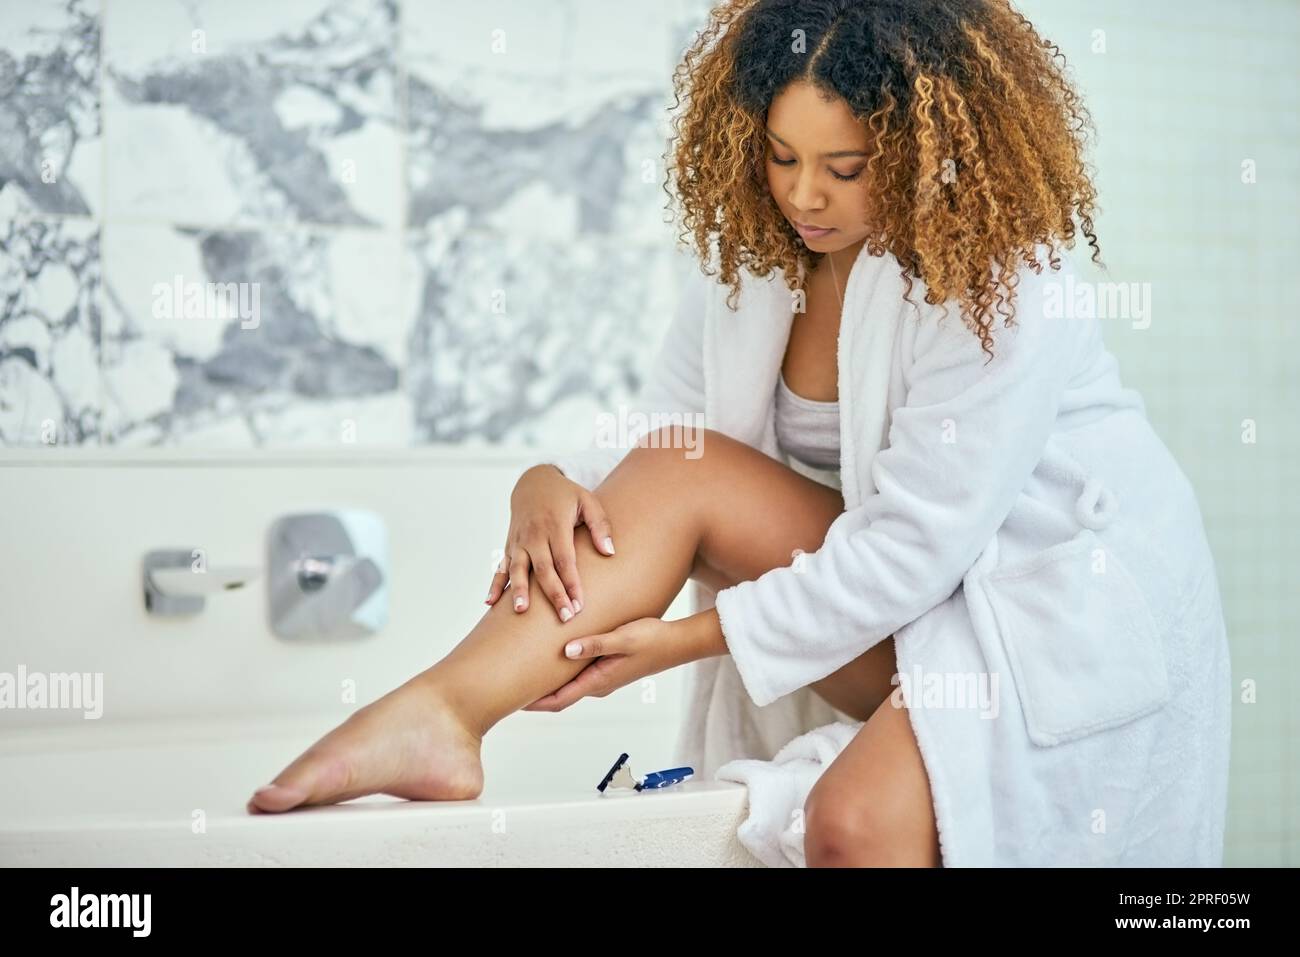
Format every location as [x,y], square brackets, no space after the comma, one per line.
[331,223]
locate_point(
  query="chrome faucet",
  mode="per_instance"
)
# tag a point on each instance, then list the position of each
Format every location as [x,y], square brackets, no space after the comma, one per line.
[326,575]
[177,581]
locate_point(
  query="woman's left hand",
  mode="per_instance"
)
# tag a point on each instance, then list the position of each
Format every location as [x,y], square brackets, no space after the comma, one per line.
[640,648]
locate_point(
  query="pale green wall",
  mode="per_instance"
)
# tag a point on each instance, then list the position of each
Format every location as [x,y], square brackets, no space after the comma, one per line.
[1183,94]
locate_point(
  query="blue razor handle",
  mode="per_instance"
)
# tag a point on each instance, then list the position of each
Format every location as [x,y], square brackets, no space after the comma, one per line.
[662,779]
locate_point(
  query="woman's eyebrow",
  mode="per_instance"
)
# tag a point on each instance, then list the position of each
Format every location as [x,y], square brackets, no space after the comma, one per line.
[824,155]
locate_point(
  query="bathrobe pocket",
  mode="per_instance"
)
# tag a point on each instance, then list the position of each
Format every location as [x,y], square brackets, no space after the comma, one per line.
[1082,644]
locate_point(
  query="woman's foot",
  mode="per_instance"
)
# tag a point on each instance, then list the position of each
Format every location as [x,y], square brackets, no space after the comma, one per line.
[410,744]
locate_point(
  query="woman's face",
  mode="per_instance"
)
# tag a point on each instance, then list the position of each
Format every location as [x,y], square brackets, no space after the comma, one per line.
[815,157]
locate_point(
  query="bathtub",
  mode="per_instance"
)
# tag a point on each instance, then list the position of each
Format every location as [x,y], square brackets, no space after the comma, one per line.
[200,710]
[173,794]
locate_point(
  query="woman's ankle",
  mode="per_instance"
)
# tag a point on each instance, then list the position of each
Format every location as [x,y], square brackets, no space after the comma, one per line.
[440,694]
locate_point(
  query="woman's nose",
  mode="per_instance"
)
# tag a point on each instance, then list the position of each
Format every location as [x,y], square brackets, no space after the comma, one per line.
[804,195]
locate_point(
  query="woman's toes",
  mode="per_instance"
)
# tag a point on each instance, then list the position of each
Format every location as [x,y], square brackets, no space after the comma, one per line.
[315,778]
[275,798]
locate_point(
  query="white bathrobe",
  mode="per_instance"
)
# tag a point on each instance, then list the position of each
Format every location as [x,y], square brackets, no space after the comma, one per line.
[1024,534]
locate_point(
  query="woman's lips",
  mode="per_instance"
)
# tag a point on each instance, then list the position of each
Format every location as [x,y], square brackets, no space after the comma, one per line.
[809,232]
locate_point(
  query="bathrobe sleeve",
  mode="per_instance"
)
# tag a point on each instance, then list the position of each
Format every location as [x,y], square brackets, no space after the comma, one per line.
[960,450]
[674,386]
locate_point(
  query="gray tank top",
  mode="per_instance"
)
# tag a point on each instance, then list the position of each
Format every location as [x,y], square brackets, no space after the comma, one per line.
[807,429]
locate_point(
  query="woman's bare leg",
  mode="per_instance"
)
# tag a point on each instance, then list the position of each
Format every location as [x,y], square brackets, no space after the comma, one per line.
[676,517]
[873,807]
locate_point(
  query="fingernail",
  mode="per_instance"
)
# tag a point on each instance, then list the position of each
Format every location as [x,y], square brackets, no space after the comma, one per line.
[577,606]
[573,649]
[609,544]
[565,613]
[264,788]
[520,601]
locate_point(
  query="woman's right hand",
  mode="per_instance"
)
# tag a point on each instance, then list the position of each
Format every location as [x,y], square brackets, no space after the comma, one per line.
[545,507]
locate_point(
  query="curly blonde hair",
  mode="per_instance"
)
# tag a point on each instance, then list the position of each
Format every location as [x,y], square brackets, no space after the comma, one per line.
[942,87]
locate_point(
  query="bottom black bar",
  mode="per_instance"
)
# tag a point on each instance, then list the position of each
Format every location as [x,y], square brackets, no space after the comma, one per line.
[335,906]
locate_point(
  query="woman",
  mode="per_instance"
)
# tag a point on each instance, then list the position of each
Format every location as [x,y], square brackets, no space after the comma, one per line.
[1001,509]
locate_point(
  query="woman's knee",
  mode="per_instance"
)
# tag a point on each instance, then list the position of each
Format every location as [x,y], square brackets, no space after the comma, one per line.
[682,442]
[750,511]
[875,811]
[842,830]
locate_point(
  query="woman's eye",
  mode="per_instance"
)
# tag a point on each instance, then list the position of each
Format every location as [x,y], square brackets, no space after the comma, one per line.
[842,178]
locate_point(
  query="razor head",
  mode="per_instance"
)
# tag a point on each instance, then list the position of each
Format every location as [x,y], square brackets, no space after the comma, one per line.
[619,776]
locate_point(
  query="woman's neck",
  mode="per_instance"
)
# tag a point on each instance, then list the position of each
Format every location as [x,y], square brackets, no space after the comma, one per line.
[833,268]
[842,260]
